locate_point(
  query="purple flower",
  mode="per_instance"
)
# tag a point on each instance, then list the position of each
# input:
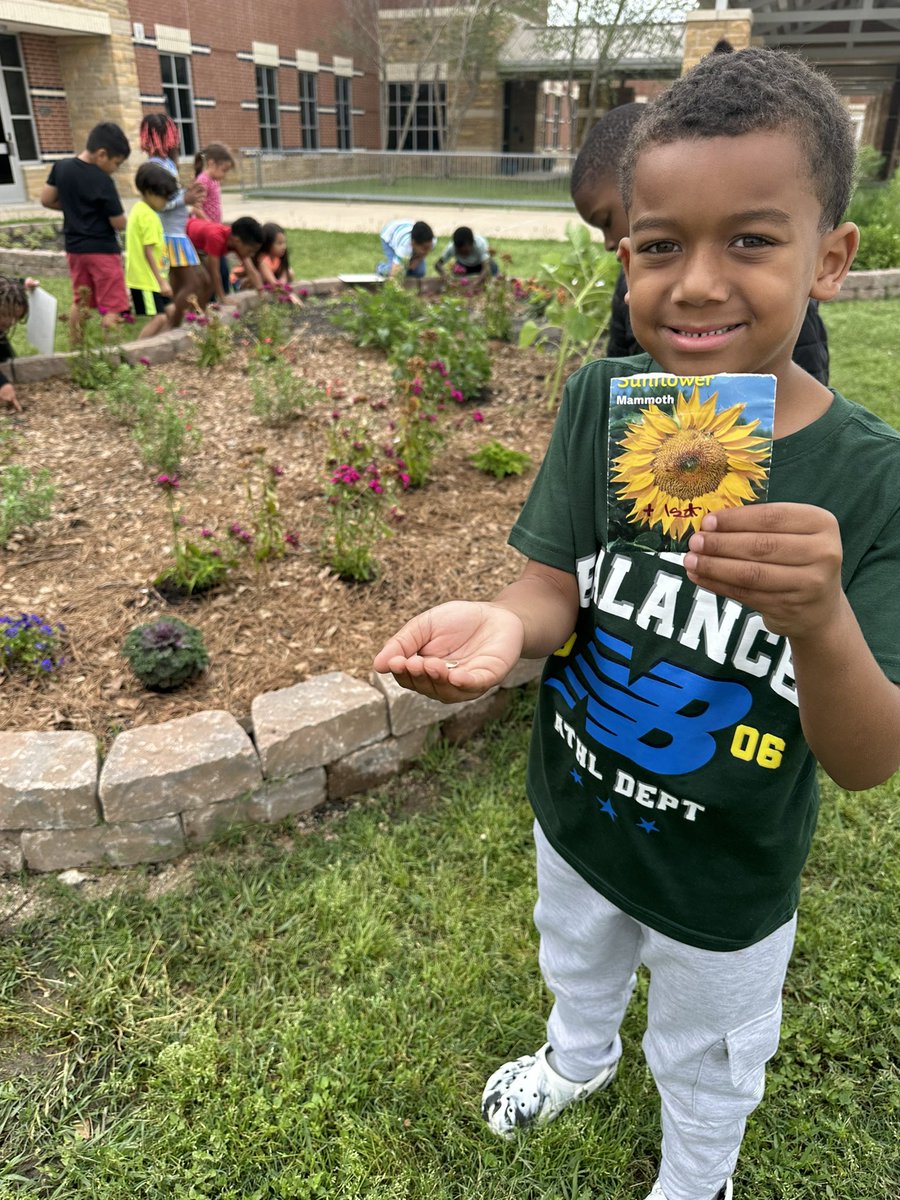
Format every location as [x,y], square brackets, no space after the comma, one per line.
[206,533]
[167,481]
[277,471]
[215,553]
[236,313]
[416,387]
[477,416]
[46,664]
[376,487]
[457,395]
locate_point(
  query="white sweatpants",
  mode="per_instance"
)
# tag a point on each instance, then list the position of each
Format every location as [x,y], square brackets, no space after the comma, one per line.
[713,1018]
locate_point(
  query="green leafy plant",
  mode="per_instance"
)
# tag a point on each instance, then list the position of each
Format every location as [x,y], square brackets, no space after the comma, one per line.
[94,362]
[30,644]
[199,565]
[164,430]
[420,427]
[381,318]
[355,523]
[879,248]
[497,309]
[9,439]
[450,332]
[128,393]
[577,316]
[26,497]
[875,208]
[270,539]
[279,394]
[165,654]
[498,460]
[269,323]
[214,339]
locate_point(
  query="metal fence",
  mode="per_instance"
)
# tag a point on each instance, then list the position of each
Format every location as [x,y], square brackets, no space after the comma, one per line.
[528,180]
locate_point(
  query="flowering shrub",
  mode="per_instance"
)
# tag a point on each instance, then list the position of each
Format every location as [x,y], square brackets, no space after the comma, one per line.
[351,442]
[165,654]
[421,430]
[214,340]
[498,460]
[280,395]
[535,296]
[450,332]
[26,497]
[381,318]
[355,522]
[199,564]
[579,307]
[30,644]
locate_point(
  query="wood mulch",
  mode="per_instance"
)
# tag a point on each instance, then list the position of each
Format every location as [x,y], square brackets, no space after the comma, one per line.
[91,565]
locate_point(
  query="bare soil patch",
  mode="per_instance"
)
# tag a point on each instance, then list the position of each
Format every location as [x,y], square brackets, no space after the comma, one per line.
[91,565]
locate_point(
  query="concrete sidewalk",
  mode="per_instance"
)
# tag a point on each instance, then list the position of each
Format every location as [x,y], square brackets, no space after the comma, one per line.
[371,217]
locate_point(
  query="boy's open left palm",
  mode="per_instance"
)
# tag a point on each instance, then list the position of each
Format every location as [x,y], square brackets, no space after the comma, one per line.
[454,652]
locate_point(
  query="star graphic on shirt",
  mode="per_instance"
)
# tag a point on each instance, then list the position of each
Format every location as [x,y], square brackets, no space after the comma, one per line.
[575,775]
[647,826]
[606,806]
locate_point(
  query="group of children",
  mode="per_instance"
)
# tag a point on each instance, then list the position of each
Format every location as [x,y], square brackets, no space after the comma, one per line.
[406,245]
[176,244]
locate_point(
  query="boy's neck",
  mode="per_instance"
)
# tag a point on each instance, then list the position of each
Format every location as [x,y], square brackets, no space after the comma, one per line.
[88,156]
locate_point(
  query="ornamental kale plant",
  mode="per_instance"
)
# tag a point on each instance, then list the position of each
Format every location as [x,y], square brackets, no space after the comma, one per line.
[199,564]
[279,394]
[498,460]
[578,313]
[355,522]
[381,318]
[30,644]
[165,654]
[26,497]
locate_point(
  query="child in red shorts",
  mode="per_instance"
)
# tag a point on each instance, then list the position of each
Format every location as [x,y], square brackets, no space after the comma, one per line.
[83,190]
[216,241]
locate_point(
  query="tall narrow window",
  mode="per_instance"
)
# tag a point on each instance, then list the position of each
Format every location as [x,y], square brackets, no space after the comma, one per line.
[423,125]
[17,99]
[342,107]
[309,111]
[175,70]
[267,103]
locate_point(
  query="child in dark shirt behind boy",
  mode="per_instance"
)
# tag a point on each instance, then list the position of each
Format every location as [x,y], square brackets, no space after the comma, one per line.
[83,190]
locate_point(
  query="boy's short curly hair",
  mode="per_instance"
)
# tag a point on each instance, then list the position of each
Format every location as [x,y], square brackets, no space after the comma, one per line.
[13,299]
[726,95]
[602,150]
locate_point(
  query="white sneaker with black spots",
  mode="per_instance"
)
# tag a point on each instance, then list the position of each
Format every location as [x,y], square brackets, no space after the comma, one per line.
[726,1192]
[529,1092]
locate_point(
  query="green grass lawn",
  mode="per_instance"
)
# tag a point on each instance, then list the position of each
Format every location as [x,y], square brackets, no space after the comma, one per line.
[313,1015]
[310,1015]
[534,191]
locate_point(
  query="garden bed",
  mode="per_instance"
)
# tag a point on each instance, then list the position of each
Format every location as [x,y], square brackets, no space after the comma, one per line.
[271,625]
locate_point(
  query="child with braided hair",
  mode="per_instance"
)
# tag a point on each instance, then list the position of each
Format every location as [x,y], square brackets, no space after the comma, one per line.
[160,140]
[13,308]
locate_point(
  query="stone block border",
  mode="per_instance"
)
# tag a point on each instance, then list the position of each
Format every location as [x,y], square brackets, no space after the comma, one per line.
[165,789]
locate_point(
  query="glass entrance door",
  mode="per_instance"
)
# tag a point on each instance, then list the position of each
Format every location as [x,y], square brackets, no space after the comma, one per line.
[17,138]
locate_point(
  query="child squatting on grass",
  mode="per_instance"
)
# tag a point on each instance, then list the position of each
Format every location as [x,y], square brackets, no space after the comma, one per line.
[13,309]
[778,619]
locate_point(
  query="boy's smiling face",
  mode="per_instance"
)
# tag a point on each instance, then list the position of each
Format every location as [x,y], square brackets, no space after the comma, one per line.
[725,251]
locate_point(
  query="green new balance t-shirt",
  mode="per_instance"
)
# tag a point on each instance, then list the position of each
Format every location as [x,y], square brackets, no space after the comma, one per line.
[667,764]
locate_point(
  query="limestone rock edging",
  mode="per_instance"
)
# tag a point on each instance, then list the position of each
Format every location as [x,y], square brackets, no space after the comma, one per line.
[167,788]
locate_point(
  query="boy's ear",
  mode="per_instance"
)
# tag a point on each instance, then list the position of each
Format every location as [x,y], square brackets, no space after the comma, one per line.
[837,250]
[623,254]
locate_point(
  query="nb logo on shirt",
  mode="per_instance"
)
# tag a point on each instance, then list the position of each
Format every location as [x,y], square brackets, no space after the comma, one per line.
[663,720]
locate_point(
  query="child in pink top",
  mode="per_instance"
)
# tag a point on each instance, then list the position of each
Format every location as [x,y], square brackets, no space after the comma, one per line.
[211,166]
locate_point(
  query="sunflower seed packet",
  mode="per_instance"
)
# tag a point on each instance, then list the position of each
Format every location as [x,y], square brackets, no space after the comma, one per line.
[682,446]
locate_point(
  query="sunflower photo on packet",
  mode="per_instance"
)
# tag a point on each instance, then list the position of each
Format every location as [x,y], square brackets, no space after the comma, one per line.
[682,446]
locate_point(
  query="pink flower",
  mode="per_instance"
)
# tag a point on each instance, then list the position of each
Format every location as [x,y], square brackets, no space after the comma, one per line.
[303,293]
[128,318]
[376,487]
[236,314]
[404,480]
[416,387]
[102,310]
[206,533]
[167,481]
[291,539]
[477,417]
[457,395]
[145,362]
[277,471]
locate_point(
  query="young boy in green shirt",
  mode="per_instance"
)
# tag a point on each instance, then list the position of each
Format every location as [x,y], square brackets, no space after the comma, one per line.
[145,245]
[672,768]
